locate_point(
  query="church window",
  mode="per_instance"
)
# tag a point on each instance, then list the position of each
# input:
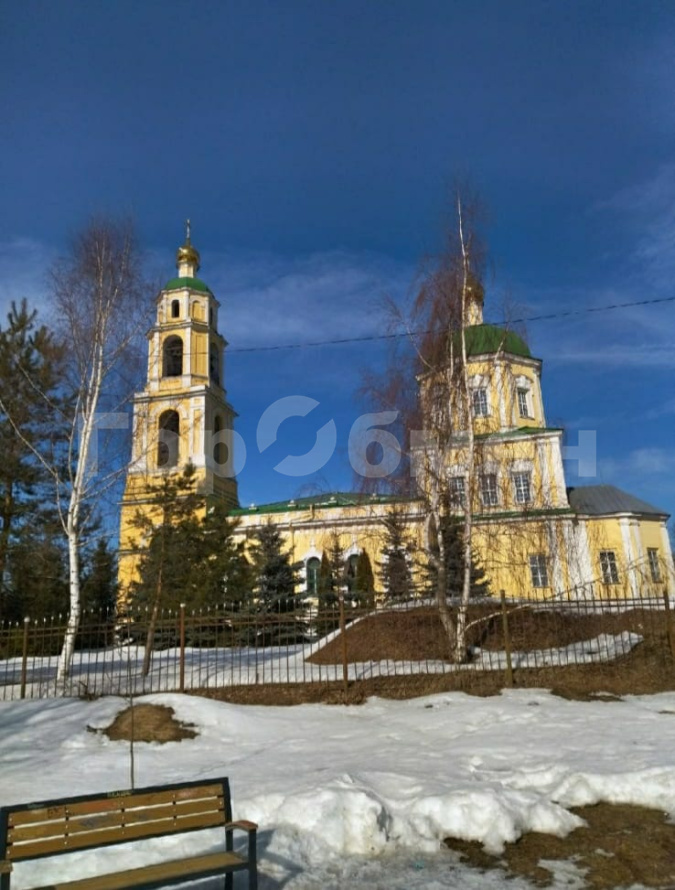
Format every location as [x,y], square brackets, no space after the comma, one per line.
[214,363]
[313,568]
[523,402]
[480,403]
[175,309]
[539,570]
[522,488]
[610,573]
[219,446]
[173,357]
[654,567]
[168,436]
[457,491]
[488,489]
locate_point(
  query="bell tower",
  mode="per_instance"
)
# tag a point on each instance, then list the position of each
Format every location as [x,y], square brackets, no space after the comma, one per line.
[182,415]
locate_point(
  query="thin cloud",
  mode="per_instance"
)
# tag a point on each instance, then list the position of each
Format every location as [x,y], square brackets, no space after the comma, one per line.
[24,263]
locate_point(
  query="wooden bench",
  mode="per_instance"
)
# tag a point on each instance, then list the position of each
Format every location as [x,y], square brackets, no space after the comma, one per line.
[52,827]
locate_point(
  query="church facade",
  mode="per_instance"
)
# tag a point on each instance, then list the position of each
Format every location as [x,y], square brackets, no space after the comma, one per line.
[533,536]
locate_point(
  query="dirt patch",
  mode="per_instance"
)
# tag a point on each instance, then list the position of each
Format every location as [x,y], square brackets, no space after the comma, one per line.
[417,634]
[642,672]
[149,723]
[622,845]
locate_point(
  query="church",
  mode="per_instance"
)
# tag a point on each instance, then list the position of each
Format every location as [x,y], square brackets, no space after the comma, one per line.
[534,536]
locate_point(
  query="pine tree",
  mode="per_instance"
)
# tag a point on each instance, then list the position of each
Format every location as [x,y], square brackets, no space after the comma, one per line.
[275,590]
[454,563]
[325,585]
[363,584]
[166,533]
[99,596]
[338,576]
[38,573]
[31,371]
[220,574]
[395,568]
[99,584]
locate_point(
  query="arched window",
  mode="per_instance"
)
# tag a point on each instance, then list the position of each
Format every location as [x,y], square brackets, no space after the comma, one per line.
[220,453]
[313,568]
[173,357]
[175,309]
[214,363]
[168,435]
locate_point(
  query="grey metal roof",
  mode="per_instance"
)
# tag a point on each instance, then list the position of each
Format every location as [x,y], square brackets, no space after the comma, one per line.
[599,500]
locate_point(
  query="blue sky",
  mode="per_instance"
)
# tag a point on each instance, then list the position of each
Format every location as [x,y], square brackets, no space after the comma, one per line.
[314,144]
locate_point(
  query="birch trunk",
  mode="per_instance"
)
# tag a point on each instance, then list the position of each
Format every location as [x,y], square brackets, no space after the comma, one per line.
[460,653]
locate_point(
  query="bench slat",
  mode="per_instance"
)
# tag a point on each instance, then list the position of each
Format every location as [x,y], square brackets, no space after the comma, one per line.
[116,834]
[113,801]
[74,826]
[198,866]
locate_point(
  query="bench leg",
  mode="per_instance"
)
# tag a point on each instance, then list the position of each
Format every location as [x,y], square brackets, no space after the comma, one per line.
[252,861]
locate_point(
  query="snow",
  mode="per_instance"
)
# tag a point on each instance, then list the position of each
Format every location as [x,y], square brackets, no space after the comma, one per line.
[359,796]
[117,670]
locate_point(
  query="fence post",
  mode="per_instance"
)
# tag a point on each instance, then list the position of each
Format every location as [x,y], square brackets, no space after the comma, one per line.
[182,648]
[507,641]
[670,630]
[24,657]
[343,636]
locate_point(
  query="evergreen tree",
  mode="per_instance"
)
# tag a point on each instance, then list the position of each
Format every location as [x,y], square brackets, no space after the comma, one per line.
[31,372]
[325,584]
[337,576]
[166,534]
[363,584]
[395,567]
[190,554]
[99,584]
[38,573]
[454,563]
[275,590]
[219,574]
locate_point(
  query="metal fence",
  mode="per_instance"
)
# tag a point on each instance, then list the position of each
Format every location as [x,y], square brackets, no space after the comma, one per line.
[216,649]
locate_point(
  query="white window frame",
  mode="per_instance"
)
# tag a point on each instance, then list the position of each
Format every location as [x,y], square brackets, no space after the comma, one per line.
[654,564]
[539,570]
[609,567]
[492,499]
[523,397]
[458,491]
[522,493]
[480,402]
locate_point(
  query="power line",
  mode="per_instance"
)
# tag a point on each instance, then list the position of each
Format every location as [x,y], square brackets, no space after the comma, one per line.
[395,336]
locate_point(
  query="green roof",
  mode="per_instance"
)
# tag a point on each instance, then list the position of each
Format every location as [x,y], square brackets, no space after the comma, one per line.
[192,283]
[482,339]
[328,499]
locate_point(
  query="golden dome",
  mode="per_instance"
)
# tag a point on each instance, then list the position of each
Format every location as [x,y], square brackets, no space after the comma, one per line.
[187,253]
[475,290]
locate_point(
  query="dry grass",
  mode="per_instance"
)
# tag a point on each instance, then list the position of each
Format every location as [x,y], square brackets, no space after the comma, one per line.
[148,723]
[621,846]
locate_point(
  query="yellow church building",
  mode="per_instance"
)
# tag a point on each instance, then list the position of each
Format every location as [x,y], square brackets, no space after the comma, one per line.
[533,536]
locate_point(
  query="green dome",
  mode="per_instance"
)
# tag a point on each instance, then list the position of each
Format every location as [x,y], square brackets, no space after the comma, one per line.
[488,338]
[191,283]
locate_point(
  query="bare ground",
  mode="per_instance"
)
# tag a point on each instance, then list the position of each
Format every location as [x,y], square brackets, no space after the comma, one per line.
[149,723]
[620,846]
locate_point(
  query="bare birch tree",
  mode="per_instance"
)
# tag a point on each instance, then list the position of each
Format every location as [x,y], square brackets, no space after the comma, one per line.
[440,418]
[96,296]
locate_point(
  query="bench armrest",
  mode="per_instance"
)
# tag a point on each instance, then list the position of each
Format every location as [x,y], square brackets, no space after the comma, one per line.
[244,824]
[5,867]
